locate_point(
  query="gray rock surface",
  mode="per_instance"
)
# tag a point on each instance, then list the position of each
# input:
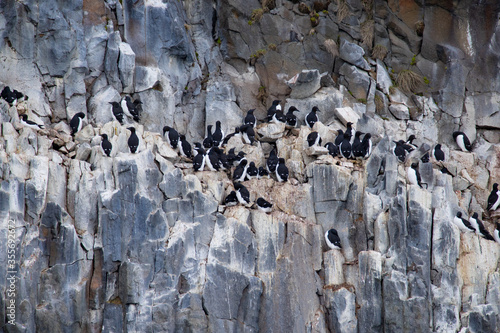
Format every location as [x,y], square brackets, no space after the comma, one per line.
[142,243]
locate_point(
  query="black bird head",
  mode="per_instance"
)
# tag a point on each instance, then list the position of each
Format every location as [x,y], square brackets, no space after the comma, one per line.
[495,187]
[414,165]
[459,214]
[315,109]
[25,117]
[114,103]
[358,134]
[349,125]
[367,136]
[438,146]
[131,129]
[80,115]
[276,102]
[104,136]
[411,138]
[165,129]
[475,216]
[182,137]
[250,111]
[137,102]
[292,109]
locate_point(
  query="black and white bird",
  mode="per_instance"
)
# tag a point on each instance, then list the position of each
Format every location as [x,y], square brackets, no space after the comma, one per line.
[262,173]
[399,150]
[185,147]
[31,124]
[462,223]
[199,159]
[236,133]
[242,194]
[208,142]
[425,158]
[272,110]
[278,117]
[231,199]
[240,172]
[76,122]
[462,141]
[172,137]
[333,149]
[218,135]
[339,138]
[367,145]
[345,147]
[250,118]
[357,149]
[496,233]
[252,171]
[223,161]
[264,205]
[137,110]
[291,119]
[9,96]
[438,153]
[272,161]
[409,145]
[494,198]
[479,226]
[106,146]
[133,140]
[313,139]
[247,134]
[212,159]
[312,117]
[414,175]
[348,130]
[240,157]
[129,107]
[332,239]
[117,111]
[281,171]
[231,156]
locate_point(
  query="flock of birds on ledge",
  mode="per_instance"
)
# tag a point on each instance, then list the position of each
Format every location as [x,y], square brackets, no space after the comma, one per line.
[209,154]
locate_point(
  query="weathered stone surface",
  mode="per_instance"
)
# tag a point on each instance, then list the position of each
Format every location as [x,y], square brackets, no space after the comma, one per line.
[353,54]
[304,84]
[357,81]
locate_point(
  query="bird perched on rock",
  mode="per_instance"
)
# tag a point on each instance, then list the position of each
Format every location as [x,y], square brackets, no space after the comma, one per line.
[262,173]
[137,110]
[133,140]
[332,239]
[357,150]
[11,96]
[218,135]
[281,171]
[272,110]
[438,153]
[208,142]
[366,145]
[479,227]
[494,198]
[414,175]
[409,145]
[333,150]
[76,122]
[278,117]
[462,223]
[240,172]
[31,124]
[252,171]
[291,119]
[339,138]
[272,161]
[199,159]
[264,205]
[248,134]
[240,157]
[236,133]
[212,159]
[106,146]
[185,147]
[313,139]
[348,131]
[231,199]
[242,194]
[312,117]
[117,111]
[250,118]
[462,141]
[345,147]
[129,107]
[496,233]
[399,150]
[172,136]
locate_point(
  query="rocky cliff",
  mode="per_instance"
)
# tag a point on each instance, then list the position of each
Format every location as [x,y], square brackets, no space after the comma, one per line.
[142,243]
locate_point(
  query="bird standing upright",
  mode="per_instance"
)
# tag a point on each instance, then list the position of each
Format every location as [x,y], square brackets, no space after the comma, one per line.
[76,122]
[462,141]
[332,239]
[312,117]
[494,198]
[133,140]
[106,146]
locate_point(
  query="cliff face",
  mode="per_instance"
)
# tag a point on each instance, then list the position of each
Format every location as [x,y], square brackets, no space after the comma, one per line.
[140,242]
